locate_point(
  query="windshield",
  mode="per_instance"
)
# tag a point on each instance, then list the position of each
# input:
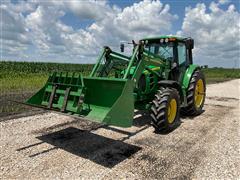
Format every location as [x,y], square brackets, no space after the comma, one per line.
[165,51]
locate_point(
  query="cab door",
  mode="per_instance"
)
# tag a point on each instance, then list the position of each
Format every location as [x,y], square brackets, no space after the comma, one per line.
[182,60]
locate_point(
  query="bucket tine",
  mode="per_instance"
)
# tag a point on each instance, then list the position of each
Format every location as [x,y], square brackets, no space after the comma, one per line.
[65,78]
[52,96]
[73,74]
[65,99]
[78,79]
[53,77]
[60,76]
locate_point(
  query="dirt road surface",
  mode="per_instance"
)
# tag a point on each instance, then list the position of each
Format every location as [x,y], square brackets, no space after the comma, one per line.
[54,146]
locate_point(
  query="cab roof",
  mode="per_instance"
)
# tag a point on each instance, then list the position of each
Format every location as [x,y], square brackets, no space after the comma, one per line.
[165,36]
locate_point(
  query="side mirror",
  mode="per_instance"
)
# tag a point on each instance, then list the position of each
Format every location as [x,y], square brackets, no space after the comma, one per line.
[190,44]
[122,47]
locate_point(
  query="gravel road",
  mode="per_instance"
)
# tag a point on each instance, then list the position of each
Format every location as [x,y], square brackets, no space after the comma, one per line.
[53,146]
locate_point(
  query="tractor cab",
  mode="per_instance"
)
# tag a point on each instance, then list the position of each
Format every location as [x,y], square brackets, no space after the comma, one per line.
[171,48]
[174,51]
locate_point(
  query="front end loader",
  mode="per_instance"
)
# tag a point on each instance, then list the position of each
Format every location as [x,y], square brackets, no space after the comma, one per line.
[159,77]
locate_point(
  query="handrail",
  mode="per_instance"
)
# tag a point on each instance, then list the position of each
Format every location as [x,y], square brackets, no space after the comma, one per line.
[131,62]
[98,62]
[115,55]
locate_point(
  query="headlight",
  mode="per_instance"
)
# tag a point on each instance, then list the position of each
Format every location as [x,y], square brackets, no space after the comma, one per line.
[166,40]
[161,40]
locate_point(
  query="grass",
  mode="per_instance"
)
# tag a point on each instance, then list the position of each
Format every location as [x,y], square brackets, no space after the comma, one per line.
[216,75]
[29,82]
[28,76]
[17,77]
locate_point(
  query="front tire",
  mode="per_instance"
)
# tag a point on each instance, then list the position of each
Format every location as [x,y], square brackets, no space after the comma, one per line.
[165,110]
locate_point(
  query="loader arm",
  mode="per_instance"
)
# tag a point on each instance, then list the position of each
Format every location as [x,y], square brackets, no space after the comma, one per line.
[106,96]
[138,62]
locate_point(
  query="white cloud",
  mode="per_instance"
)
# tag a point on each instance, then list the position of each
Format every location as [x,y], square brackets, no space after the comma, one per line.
[146,18]
[94,10]
[35,29]
[224,1]
[51,38]
[216,34]
[13,34]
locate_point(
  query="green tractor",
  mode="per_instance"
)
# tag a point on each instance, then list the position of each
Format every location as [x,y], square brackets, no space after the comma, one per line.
[159,77]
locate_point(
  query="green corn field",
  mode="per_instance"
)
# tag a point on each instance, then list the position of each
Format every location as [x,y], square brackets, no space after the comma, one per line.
[29,76]
[19,80]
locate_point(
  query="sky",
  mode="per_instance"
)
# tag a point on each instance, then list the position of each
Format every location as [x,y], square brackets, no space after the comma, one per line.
[75,31]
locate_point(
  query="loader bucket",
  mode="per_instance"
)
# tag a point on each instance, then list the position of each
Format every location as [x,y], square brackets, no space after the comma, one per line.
[103,100]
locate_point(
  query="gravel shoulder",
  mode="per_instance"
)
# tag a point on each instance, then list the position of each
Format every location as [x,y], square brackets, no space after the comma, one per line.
[54,146]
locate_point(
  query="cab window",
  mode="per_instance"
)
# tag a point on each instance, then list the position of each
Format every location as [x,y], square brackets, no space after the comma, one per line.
[181,53]
[164,51]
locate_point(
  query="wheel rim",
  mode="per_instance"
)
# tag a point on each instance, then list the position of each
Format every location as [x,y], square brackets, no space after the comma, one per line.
[172,111]
[199,93]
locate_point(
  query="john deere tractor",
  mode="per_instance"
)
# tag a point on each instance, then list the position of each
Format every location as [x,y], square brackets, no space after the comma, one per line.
[159,77]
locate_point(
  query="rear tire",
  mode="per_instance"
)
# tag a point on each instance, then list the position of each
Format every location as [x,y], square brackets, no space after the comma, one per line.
[165,110]
[196,94]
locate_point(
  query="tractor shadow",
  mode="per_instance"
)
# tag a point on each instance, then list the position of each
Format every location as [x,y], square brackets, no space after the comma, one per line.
[190,117]
[141,118]
[99,149]
[181,120]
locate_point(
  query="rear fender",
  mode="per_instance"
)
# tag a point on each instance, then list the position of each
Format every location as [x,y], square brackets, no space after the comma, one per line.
[188,74]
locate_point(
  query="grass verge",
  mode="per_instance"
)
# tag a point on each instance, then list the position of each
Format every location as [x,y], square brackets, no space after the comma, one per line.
[21,84]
